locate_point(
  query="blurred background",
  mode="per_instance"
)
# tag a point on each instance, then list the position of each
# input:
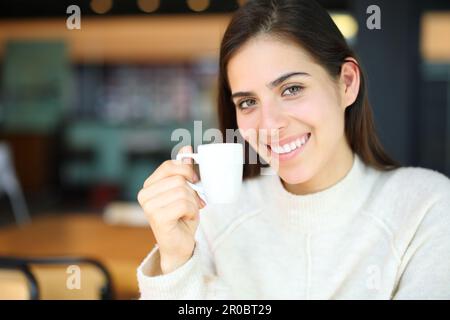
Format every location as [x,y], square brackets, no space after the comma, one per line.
[87,114]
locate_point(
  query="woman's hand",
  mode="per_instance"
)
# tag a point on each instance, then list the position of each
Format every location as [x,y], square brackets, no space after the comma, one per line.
[172,210]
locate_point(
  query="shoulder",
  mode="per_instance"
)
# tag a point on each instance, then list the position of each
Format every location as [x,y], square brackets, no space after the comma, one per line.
[411,184]
[428,188]
[409,198]
[216,220]
[421,179]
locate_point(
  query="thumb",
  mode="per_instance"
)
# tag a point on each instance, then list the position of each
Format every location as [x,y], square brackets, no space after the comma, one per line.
[188,149]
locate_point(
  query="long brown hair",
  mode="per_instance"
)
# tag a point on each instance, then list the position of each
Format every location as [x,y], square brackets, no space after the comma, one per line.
[309,25]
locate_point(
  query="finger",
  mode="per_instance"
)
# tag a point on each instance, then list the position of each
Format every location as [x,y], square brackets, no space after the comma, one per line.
[198,199]
[171,168]
[186,149]
[158,189]
[167,197]
[190,161]
[160,186]
[181,209]
[172,212]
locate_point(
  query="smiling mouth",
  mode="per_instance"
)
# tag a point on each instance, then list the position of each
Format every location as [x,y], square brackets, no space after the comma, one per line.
[290,147]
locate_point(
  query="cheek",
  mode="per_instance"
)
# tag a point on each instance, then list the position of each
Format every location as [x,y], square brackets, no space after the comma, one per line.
[309,112]
[320,113]
[242,122]
[332,117]
[247,127]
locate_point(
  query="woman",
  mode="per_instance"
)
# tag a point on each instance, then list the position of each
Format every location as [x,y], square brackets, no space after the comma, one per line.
[338,220]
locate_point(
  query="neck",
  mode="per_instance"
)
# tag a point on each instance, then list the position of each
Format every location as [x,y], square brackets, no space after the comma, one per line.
[334,170]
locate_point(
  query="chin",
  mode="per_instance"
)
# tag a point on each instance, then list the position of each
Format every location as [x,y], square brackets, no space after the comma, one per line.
[295,174]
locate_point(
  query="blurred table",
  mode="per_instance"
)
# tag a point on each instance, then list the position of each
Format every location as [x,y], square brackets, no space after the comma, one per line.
[120,248]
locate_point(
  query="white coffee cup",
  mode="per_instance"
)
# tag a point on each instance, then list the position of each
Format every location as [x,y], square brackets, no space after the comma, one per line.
[221,167]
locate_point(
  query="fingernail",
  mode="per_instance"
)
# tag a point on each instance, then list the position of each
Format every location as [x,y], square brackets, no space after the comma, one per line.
[196,178]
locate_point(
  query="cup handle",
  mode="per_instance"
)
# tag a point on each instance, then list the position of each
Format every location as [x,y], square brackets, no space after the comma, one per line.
[197,187]
[181,156]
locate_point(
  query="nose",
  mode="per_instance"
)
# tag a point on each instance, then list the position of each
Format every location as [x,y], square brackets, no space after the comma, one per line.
[272,117]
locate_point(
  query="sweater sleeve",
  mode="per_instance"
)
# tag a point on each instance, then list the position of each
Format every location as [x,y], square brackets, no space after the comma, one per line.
[425,267]
[194,280]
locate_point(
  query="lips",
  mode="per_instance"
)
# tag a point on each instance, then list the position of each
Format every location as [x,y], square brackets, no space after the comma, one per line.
[288,145]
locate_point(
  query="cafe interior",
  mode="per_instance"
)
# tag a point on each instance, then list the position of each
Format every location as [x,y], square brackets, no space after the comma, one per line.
[91,91]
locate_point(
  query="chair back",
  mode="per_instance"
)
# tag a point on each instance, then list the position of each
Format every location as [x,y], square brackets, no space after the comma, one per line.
[60,278]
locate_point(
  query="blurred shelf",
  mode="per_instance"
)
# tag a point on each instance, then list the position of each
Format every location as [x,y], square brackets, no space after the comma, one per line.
[145,138]
[134,39]
[98,153]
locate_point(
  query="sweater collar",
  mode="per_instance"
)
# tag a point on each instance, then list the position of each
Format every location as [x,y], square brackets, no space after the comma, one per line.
[329,207]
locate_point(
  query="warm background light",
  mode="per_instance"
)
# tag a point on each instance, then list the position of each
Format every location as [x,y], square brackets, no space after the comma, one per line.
[346,24]
[198,5]
[101,6]
[148,5]
[435,44]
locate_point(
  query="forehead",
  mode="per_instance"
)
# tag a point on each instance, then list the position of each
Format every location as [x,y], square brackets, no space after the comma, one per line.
[262,59]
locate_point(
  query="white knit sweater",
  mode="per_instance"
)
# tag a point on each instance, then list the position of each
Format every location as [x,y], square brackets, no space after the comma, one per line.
[372,235]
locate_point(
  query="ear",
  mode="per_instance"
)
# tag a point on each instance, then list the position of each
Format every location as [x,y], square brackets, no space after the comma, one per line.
[349,81]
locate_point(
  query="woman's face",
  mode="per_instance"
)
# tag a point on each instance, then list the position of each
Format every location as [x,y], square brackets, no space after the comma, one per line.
[293,104]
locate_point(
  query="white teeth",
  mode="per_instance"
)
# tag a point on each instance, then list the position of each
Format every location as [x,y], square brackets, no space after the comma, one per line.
[304,140]
[290,146]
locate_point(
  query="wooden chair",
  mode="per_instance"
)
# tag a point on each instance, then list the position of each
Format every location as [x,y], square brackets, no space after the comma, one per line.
[51,279]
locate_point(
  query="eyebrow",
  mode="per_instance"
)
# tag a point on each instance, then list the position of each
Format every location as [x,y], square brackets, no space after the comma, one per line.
[271,84]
